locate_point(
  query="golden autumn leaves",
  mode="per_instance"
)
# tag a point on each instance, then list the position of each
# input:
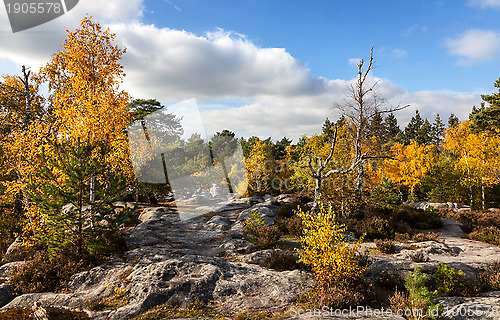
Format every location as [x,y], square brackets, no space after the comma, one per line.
[85,106]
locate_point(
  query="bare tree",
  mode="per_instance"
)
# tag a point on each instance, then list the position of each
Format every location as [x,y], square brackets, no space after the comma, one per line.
[362,105]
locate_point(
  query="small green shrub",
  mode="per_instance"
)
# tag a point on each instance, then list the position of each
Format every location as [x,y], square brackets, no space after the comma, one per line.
[386,194]
[264,237]
[254,223]
[419,296]
[386,246]
[449,282]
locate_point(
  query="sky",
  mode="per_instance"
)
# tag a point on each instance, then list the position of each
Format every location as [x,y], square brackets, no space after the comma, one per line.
[280,67]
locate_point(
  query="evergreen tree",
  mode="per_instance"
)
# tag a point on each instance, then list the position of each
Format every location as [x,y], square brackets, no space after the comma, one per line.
[91,227]
[453,121]
[391,127]
[327,128]
[437,130]
[489,118]
[425,133]
[279,148]
[413,128]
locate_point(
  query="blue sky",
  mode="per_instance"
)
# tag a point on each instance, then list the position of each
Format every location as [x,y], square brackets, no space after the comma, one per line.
[278,67]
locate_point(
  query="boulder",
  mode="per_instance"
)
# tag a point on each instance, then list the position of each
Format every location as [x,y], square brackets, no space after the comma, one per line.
[5,294]
[154,213]
[7,269]
[267,212]
[218,223]
[484,307]
[233,286]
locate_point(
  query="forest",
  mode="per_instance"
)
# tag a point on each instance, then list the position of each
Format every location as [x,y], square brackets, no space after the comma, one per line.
[65,160]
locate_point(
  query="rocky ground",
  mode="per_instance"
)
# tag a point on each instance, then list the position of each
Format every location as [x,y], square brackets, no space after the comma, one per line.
[207,259]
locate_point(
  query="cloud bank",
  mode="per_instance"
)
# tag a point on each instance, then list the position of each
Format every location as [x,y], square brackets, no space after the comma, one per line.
[259,91]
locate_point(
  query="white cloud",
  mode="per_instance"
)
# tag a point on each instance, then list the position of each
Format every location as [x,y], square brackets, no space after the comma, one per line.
[281,96]
[485,3]
[354,61]
[35,46]
[400,53]
[475,46]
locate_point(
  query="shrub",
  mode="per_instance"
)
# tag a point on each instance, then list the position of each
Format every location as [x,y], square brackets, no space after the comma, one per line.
[339,275]
[421,237]
[419,219]
[489,277]
[419,296]
[282,261]
[386,246]
[253,223]
[264,237]
[49,273]
[449,282]
[376,228]
[290,226]
[418,256]
[488,234]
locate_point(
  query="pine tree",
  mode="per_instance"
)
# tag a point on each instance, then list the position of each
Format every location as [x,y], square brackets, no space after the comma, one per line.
[453,121]
[91,227]
[437,130]
[489,118]
[391,127]
[412,129]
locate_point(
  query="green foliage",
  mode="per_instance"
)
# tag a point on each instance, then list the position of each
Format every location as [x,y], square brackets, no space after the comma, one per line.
[449,282]
[419,296]
[72,217]
[386,194]
[264,237]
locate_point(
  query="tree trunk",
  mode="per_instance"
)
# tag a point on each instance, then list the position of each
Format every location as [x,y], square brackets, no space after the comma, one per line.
[317,194]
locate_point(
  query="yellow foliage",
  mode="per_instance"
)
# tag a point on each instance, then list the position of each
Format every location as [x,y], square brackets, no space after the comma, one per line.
[325,249]
[410,163]
[478,154]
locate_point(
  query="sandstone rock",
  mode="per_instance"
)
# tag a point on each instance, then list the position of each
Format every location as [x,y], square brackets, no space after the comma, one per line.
[153,213]
[177,281]
[5,294]
[284,198]
[259,256]
[7,269]
[267,212]
[218,223]
[485,307]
